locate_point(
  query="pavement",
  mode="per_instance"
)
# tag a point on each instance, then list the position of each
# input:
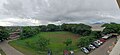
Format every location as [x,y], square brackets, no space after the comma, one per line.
[9,50]
[116,49]
[102,50]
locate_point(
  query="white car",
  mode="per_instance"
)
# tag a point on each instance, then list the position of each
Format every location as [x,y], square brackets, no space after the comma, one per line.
[85,50]
[99,42]
[72,52]
[91,46]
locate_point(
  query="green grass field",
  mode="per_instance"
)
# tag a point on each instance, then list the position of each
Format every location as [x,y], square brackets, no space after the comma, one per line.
[56,42]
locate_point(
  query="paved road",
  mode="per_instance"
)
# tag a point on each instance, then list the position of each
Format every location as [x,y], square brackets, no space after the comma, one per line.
[102,50]
[116,49]
[8,49]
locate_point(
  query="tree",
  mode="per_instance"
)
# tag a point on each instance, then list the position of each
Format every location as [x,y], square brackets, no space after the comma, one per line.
[43,28]
[51,27]
[97,34]
[29,31]
[42,44]
[3,33]
[68,42]
[84,41]
[111,28]
[63,27]
[81,29]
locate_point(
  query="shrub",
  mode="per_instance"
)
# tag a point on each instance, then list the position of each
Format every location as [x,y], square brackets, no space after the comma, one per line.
[84,41]
[42,43]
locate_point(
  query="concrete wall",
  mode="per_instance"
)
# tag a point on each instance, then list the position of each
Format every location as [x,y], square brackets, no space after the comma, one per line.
[116,49]
[118,3]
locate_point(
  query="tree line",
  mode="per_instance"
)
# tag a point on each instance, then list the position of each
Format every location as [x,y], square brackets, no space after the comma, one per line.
[81,29]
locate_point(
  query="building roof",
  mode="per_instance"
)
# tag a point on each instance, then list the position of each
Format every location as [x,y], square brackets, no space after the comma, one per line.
[97,27]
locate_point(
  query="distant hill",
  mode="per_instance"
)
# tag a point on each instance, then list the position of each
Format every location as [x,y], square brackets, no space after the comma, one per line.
[99,23]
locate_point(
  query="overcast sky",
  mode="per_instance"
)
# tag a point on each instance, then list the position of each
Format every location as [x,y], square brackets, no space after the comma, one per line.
[37,12]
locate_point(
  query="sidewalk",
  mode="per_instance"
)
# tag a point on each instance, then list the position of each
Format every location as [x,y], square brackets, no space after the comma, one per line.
[9,50]
[116,49]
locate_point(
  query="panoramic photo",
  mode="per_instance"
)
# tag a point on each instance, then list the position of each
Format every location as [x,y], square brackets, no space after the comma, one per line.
[59,27]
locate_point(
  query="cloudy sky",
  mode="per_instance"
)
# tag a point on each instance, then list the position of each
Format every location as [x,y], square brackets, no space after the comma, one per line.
[37,12]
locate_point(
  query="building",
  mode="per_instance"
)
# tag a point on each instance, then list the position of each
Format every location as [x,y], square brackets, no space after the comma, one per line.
[97,27]
[15,34]
[116,49]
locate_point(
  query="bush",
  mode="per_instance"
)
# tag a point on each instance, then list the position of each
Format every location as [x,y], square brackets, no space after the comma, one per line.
[4,34]
[68,42]
[42,43]
[96,34]
[28,43]
[28,32]
[84,41]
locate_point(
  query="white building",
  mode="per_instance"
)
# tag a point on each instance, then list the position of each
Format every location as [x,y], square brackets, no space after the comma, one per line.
[97,27]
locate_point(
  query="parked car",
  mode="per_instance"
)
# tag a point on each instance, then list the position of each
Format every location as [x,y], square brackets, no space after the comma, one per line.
[91,46]
[85,50]
[66,52]
[102,40]
[89,49]
[106,37]
[71,52]
[95,44]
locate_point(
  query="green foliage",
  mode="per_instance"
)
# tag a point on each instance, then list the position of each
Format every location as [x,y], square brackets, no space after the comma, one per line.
[43,28]
[81,29]
[111,28]
[51,27]
[84,41]
[97,34]
[29,31]
[3,33]
[63,27]
[42,43]
[68,42]
[28,46]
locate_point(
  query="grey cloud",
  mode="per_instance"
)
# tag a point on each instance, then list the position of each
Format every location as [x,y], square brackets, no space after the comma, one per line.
[60,11]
